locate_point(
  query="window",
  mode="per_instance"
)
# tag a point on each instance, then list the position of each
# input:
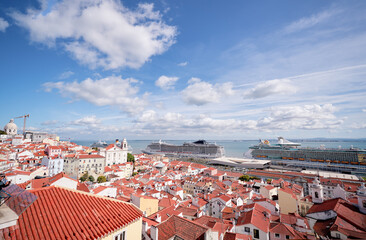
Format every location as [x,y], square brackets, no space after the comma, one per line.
[255,233]
[246,229]
[277,235]
[287,237]
[121,236]
[316,195]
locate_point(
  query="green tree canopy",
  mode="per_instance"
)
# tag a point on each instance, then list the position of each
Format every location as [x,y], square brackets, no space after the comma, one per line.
[84,177]
[130,158]
[2,132]
[101,179]
[91,178]
[244,178]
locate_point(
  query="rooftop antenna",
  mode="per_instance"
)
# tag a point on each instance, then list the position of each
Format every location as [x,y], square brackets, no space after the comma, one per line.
[25,120]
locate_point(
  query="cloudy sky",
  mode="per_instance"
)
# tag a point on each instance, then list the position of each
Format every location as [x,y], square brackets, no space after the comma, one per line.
[105,69]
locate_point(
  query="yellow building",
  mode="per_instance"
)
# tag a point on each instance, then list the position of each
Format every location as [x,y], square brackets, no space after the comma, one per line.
[148,205]
[287,200]
[304,205]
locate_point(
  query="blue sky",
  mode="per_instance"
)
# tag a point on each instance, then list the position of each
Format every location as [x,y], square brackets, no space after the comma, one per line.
[185,69]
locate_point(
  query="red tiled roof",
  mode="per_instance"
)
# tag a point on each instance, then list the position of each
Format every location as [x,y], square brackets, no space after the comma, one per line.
[181,227]
[343,209]
[82,187]
[110,146]
[99,189]
[284,229]
[165,213]
[204,220]
[44,182]
[60,213]
[256,217]
[83,156]
[166,202]
[236,236]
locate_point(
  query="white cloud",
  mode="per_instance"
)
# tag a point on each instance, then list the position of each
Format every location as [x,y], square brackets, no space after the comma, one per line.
[109,91]
[286,118]
[101,33]
[183,64]
[271,87]
[153,123]
[199,92]
[363,110]
[313,20]
[66,74]
[149,115]
[3,25]
[91,121]
[359,125]
[49,122]
[165,82]
[301,117]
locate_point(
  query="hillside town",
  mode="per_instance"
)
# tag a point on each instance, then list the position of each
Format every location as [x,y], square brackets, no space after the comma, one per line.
[61,190]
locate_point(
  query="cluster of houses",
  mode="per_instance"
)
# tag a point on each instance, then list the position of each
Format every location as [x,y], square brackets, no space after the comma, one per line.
[158,198]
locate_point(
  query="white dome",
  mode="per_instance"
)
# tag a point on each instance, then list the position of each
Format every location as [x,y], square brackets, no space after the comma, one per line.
[11,128]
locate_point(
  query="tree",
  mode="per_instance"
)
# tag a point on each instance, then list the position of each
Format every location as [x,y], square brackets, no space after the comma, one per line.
[101,179]
[2,132]
[255,178]
[244,178]
[84,177]
[91,178]
[130,158]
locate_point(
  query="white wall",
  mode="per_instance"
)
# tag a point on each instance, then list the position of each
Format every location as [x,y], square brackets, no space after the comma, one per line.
[66,182]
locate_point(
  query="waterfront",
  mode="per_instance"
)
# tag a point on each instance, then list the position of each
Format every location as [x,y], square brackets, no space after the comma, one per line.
[235,148]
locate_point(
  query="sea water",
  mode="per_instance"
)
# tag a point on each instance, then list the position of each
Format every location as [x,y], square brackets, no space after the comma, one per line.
[236,148]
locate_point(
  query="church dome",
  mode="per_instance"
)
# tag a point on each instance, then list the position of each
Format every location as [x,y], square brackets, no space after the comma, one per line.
[11,128]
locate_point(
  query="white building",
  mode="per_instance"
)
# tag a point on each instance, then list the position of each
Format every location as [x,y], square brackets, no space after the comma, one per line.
[17,176]
[55,164]
[38,137]
[218,204]
[93,164]
[106,191]
[114,154]
[11,128]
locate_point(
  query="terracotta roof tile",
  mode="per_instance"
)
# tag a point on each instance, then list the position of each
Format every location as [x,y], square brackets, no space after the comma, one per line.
[60,213]
[181,227]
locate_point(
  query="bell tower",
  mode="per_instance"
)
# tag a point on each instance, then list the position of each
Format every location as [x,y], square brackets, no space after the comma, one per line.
[316,190]
[124,144]
[361,196]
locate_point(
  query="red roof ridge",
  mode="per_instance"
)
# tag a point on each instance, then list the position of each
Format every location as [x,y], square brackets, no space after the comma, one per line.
[187,220]
[43,210]
[82,192]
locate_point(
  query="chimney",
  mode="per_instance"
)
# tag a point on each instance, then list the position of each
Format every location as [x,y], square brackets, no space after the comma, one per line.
[158,218]
[154,233]
[145,226]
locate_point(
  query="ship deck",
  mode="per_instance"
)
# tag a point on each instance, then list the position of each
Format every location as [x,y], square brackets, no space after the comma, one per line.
[339,167]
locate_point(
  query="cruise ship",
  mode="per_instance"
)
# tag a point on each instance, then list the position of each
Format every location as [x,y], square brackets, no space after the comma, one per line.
[290,154]
[197,149]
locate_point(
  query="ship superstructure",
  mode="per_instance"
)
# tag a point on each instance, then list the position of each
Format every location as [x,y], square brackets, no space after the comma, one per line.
[289,153]
[197,149]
